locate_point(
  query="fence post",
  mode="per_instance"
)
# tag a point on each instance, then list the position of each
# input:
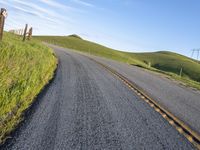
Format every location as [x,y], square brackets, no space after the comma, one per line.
[2,21]
[180,74]
[25,30]
[30,33]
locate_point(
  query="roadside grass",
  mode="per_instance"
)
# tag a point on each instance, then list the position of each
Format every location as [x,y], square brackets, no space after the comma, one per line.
[164,62]
[25,68]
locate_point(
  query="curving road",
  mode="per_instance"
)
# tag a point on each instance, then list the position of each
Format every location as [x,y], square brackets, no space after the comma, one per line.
[87,108]
[181,101]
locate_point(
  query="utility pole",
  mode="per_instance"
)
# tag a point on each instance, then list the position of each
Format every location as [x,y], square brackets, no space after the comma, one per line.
[197,53]
[192,53]
[3,15]
[25,30]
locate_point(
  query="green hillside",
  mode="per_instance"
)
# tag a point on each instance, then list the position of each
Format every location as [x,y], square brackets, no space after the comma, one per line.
[167,62]
[171,62]
[25,68]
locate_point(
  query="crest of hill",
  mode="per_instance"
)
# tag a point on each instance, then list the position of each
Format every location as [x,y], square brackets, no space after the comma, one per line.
[75,36]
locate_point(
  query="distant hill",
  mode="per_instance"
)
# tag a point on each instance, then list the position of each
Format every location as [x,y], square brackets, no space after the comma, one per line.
[162,60]
[75,36]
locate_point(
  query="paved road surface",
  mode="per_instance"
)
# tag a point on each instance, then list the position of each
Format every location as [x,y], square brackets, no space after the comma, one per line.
[183,102]
[87,108]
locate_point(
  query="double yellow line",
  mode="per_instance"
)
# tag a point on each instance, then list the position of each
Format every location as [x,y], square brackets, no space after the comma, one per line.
[179,125]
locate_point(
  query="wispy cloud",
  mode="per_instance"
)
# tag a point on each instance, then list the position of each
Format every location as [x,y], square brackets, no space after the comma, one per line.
[53,3]
[20,8]
[26,11]
[46,16]
[83,3]
[34,7]
[42,12]
[57,5]
[3,2]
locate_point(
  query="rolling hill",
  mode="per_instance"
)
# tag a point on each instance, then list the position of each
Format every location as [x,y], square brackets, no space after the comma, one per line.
[164,61]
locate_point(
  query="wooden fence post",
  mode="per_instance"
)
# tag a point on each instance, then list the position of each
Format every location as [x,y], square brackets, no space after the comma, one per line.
[30,33]
[25,30]
[2,21]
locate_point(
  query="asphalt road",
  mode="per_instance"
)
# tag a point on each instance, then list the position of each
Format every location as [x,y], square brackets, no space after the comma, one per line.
[86,108]
[181,101]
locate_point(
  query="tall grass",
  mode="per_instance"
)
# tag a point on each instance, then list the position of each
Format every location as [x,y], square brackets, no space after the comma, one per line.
[25,68]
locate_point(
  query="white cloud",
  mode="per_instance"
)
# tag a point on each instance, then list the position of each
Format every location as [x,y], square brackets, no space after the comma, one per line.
[53,3]
[57,5]
[42,12]
[19,8]
[3,2]
[41,17]
[45,16]
[35,7]
[83,3]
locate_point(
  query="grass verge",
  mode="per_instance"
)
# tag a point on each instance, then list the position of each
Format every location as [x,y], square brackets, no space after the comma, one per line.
[25,68]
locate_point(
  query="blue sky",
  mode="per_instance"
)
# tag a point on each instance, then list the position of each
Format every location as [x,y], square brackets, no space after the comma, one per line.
[128,25]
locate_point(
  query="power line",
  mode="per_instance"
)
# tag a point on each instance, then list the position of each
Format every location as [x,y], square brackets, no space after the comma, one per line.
[197,52]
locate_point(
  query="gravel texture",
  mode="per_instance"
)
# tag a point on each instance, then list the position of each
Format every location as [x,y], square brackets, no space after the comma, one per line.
[183,102]
[86,108]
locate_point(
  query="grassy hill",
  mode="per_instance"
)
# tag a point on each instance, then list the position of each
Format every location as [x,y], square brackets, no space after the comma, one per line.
[163,61]
[171,62]
[25,68]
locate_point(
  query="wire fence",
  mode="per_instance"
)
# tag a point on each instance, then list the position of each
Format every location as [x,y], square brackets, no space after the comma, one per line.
[26,32]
